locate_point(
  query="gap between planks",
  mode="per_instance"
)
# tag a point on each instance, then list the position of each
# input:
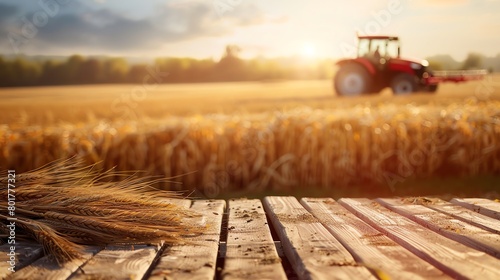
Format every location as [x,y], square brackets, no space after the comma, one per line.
[198,257]
[445,225]
[309,247]
[483,206]
[368,246]
[293,224]
[466,215]
[250,249]
[455,259]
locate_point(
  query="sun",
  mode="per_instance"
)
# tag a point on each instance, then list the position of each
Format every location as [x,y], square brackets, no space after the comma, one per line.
[308,50]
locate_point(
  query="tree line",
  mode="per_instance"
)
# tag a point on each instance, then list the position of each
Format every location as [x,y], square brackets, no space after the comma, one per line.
[471,62]
[78,69]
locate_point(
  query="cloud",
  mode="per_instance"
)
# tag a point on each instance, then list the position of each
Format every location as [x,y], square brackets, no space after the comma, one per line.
[82,27]
[187,19]
[95,31]
[7,12]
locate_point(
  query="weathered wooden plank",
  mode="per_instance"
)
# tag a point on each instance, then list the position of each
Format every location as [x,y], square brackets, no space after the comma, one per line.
[453,258]
[126,261]
[368,245]
[25,254]
[250,251]
[198,258]
[483,206]
[464,214]
[445,225]
[312,251]
[118,262]
[48,268]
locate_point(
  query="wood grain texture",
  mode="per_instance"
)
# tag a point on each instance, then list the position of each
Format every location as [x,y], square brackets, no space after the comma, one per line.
[312,251]
[319,246]
[368,245]
[47,268]
[483,206]
[451,257]
[447,226]
[26,253]
[250,253]
[466,215]
[118,262]
[198,258]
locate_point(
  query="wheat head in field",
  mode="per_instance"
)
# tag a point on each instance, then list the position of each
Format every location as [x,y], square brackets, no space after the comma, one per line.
[278,150]
[65,205]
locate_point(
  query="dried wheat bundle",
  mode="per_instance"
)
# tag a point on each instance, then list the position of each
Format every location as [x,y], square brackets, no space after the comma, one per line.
[64,205]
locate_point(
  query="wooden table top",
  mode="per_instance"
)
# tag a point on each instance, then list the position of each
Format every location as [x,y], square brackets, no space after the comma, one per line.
[310,238]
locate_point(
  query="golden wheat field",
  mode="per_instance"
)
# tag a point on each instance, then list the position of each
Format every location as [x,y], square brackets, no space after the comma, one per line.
[220,138]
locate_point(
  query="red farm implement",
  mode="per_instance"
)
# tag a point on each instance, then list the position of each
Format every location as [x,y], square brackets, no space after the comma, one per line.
[379,65]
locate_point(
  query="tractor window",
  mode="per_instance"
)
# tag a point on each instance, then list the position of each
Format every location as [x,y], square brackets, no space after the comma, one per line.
[378,48]
[363,47]
[392,48]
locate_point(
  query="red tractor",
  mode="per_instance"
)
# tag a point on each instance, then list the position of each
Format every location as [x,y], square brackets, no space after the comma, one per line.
[379,65]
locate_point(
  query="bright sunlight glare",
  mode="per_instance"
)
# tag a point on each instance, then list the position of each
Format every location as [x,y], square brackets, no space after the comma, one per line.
[308,50]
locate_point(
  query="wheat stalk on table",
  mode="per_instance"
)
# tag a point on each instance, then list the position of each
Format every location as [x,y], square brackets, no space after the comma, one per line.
[64,206]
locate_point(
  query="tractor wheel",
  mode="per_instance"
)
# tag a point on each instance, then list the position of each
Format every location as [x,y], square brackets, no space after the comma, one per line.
[404,84]
[352,80]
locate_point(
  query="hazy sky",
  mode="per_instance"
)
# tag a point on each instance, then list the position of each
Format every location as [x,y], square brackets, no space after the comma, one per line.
[201,28]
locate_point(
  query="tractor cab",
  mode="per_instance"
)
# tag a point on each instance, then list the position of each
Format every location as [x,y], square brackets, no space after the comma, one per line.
[382,47]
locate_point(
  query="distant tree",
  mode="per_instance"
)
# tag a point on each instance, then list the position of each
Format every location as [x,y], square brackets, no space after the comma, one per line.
[324,69]
[230,67]
[6,73]
[116,70]
[202,70]
[473,61]
[23,73]
[447,62]
[51,73]
[185,66]
[72,70]
[137,73]
[173,66]
[435,65]
[91,71]
[232,51]
[496,63]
